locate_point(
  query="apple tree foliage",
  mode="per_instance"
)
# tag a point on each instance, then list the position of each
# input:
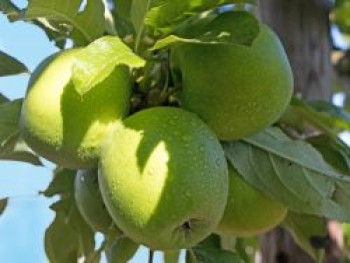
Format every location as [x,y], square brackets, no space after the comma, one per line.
[300,161]
[341,15]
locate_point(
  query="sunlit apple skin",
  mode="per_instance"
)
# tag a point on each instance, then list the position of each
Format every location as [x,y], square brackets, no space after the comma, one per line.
[248,211]
[237,90]
[163,177]
[64,127]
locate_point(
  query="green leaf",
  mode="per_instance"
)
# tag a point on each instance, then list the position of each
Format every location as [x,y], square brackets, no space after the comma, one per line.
[242,30]
[209,249]
[190,256]
[9,119]
[341,15]
[301,116]
[60,241]
[339,3]
[123,8]
[10,66]
[139,9]
[15,149]
[9,9]
[228,242]
[309,232]
[212,255]
[12,147]
[173,40]
[165,14]
[124,28]
[98,60]
[55,31]
[346,229]
[325,118]
[69,237]
[92,22]
[335,153]
[3,99]
[121,249]
[212,241]
[88,24]
[55,10]
[94,257]
[86,235]
[247,248]
[171,256]
[62,182]
[3,205]
[340,118]
[292,172]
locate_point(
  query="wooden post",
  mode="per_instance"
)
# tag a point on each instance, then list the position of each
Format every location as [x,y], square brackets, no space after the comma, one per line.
[303,26]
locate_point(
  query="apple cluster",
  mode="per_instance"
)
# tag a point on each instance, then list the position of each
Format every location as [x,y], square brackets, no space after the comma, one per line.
[160,175]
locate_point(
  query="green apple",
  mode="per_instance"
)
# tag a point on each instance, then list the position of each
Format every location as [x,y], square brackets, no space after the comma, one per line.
[248,211]
[89,200]
[64,127]
[121,250]
[164,178]
[237,90]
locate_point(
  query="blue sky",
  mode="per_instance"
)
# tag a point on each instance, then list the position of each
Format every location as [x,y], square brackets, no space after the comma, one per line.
[23,224]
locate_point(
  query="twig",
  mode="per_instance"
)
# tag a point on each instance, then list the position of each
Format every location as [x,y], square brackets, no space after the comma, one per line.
[150,257]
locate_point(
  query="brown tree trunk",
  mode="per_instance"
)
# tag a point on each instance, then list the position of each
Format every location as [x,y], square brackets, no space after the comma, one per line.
[303,26]
[278,246]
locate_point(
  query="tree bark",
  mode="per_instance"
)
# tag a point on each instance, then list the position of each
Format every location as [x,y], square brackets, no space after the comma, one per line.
[278,246]
[303,26]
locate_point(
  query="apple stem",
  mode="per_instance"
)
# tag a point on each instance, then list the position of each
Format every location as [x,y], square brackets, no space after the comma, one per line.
[150,258]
